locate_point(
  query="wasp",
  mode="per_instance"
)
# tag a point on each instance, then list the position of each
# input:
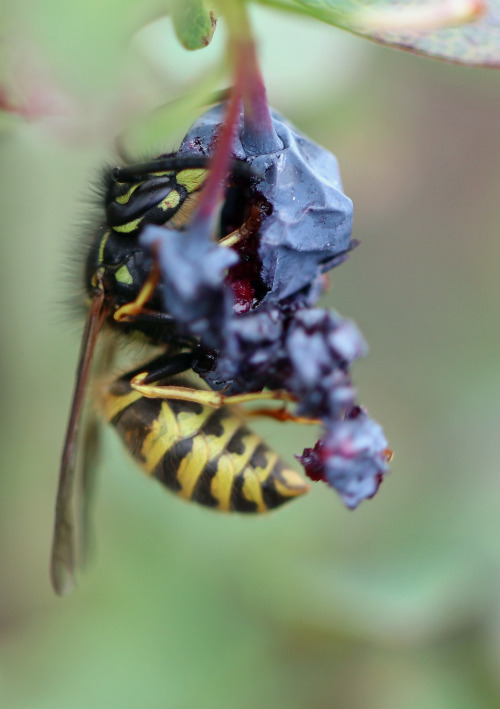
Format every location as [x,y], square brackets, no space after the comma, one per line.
[194,440]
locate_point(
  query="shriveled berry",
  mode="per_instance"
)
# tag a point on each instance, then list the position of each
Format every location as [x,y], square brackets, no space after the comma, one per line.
[310,225]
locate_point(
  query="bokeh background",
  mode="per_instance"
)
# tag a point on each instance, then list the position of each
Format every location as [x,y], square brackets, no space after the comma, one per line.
[393,605]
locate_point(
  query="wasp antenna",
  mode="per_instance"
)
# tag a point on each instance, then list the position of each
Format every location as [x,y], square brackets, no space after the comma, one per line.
[177,162]
[171,162]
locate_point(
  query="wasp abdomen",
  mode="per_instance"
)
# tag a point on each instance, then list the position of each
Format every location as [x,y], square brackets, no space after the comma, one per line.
[205,455]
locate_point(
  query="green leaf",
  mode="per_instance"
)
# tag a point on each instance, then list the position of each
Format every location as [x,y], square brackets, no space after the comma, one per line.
[459,31]
[475,43]
[146,135]
[194,23]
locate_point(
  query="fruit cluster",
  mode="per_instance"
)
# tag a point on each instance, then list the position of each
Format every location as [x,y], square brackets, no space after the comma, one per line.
[247,297]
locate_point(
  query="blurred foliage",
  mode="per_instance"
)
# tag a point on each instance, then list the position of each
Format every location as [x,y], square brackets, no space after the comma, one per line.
[461,31]
[394,605]
[472,37]
[194,23]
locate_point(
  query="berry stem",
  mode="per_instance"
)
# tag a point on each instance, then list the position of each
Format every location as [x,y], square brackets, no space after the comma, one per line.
[212,192]
[258,136]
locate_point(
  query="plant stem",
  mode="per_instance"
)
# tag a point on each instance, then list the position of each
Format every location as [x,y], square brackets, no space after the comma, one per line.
[212,192]
[259,136]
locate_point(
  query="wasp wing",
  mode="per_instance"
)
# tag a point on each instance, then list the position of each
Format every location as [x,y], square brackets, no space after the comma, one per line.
[63,547]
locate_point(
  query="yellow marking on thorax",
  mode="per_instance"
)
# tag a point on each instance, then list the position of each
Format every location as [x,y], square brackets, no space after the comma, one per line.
[252,490]
[165,433]
[113,405]
[191,179]
[123,275]
[129,226]
[102,246]
[183,214]
[292,485]
[192,466]
[222,482]
[170,201]
[124,198]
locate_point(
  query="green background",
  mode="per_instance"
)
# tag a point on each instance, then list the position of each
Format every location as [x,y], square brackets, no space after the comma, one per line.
[393,605]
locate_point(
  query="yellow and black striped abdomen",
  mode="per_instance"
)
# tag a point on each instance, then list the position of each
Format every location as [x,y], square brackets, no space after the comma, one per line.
[203,454]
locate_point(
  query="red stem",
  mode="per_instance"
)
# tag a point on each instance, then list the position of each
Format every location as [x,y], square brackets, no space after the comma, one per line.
[258,135]
[212,192]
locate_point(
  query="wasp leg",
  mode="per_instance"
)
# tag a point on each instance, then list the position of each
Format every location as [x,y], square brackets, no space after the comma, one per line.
[231,239]
[282,415]
[131,310]
[249,227]
[164,366]
[150,316]
[201,396]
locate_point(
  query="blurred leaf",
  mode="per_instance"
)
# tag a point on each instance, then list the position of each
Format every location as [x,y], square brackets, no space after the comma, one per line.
[443,29]
[333,12]
[474,43]
[147,134]
[194,23]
